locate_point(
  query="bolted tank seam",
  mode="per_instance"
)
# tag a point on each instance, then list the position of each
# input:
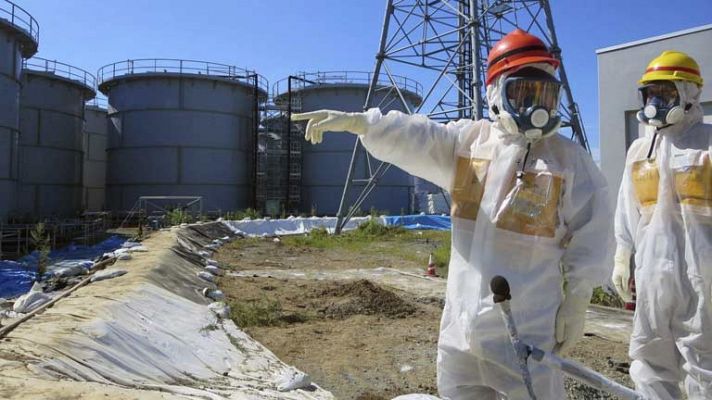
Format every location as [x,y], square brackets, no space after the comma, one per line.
[57,148]
[34,74]
[173,109]
[173,184]
[165,146]
[52,111]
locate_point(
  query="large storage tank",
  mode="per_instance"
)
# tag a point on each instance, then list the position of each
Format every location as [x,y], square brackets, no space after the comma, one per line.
[94,166]
[325,166]
[19,37]
[51,125]
[180,128]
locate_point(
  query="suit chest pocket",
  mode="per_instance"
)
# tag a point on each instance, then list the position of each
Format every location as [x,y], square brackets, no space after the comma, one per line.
[693,179]
[469,186]
[646,178]
[532,205]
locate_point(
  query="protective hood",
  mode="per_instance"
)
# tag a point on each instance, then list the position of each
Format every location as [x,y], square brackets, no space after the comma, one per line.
[502,121]
[690,99]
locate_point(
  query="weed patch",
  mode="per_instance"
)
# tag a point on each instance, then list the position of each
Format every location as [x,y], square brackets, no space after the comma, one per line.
[264,312]
[603,297]
[209,328]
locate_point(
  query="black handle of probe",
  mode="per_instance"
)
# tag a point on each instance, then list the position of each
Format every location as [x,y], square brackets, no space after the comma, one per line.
[500,289]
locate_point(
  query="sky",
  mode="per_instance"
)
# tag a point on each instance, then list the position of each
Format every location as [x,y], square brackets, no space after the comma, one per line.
[280,37]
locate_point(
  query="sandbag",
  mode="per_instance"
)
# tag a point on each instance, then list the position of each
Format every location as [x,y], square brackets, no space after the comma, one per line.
[31,300]
[107,274]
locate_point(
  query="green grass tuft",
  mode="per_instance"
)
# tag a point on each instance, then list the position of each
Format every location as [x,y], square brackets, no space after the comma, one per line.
[264,312]
[441,256]
[250,213]
[603,297]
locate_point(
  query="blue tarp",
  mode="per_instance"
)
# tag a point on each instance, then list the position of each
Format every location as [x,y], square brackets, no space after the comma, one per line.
[16,277]
[420,222]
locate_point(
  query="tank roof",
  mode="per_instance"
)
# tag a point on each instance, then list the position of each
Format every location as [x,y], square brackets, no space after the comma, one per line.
[15,19]
[58,70]
[340,79]
[167,67]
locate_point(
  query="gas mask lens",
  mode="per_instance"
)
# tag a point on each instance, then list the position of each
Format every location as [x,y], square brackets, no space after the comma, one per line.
[523,94]
[661,104]
[661,94]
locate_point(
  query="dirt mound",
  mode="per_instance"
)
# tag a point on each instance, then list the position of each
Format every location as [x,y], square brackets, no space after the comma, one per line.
[364,298]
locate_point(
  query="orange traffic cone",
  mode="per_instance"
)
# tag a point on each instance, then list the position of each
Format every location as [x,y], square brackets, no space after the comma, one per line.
[431,267]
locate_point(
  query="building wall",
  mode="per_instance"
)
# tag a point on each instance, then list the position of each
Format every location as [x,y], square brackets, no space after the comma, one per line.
[619,69]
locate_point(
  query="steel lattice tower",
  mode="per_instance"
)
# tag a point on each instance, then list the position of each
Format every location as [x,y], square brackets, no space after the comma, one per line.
[444,45]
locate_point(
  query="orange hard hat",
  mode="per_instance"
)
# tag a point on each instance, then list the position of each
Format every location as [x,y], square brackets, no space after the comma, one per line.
[516,49]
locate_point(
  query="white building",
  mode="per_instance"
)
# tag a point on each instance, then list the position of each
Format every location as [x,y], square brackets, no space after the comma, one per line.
[619,69]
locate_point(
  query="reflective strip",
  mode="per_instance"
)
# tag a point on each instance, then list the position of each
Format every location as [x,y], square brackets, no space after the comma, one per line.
[525,49]
[681,69]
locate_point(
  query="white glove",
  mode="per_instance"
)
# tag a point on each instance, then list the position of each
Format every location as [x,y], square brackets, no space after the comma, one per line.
[329,120]
[621,273]
[570,319]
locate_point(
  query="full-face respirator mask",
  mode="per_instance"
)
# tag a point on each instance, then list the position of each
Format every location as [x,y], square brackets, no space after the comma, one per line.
[530,98]
[661,104]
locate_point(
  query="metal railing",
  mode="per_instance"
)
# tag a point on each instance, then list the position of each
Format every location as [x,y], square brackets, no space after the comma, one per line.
[20,18]
[170,65]
[60,69]
[307,79]
[98,101]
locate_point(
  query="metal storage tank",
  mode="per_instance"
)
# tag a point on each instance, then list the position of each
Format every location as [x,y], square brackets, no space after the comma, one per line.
[51,125]
[180,128]
[94,166]
[325,166]
[19,37]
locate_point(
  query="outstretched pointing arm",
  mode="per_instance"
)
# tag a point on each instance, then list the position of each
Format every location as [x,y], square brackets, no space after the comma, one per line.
[414,143]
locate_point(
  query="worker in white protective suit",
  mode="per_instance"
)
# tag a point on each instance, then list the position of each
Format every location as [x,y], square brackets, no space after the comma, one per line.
[664,216]
[527,204]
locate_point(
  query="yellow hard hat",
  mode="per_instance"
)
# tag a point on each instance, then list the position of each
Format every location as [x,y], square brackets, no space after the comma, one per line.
[670,66]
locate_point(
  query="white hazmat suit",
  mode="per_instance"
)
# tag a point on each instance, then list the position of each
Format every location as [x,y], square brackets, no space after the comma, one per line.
[664,216]
[552,225]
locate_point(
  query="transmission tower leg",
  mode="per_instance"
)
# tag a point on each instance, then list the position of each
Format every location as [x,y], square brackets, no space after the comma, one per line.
[475,51]
[347,188]
[371,90]
[576,124]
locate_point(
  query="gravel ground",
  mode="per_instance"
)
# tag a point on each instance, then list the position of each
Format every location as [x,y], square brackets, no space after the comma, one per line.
[359,339]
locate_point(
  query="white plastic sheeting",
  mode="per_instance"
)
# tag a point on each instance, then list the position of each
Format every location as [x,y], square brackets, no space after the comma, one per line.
[156,337]
[289,226]
[147,334]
